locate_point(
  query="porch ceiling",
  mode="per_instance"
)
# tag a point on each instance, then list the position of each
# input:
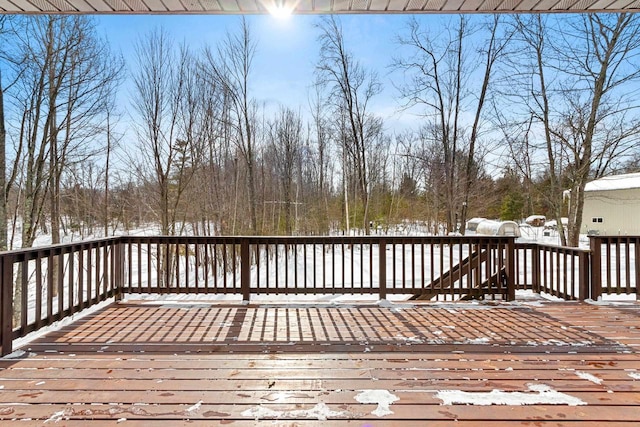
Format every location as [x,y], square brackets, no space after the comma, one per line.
[314,6]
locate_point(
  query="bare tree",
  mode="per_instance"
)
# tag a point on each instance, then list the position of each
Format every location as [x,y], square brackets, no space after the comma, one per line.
[65,72]
[3,143]
[323,135]
[229,68]
[286,141]
[439,68]
[165,105]
[581,76]
[351,88]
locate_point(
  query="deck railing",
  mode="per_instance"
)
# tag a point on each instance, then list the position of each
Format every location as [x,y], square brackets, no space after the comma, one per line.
[438,267]
[559,271]
[44,285]
[615,265]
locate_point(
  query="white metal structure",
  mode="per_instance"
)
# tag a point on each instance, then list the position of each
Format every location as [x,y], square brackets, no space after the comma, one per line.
[498,228]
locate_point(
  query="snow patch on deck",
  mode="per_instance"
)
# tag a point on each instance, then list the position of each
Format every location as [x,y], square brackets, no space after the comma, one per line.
[589,377]
[476,341]
[19,354]
[395,307]
[55,418]
[538,394]
[634,375]
[560,343]
[382,398]
[195,408]
[319,412]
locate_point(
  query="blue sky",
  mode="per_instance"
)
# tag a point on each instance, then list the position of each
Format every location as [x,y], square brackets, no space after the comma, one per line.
[287,50]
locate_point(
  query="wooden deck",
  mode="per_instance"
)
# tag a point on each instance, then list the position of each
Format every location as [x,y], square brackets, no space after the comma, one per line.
[198,364]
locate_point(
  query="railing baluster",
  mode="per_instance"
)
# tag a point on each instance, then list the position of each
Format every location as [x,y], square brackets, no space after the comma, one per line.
[295,264]
[206,267]
[224,265]
[186,265]
[511,284]
[276,267]
[245,271]
[60,284]
[607,262]
[24,297]
[344,257]
[324,266]
[393,265]
[565,272]
[167,267]
[362,267]
[617,249]
[333,266]
[627,270]
[268,263]
[215,266]
[451,275]
[636,266]
[38,284]
[315,270]
[49,286]
[105,279]
[370,249]
[89,274]
[382,265]
[422,266]
[304,265]
[352,249]
[288,251]
[6,299]
[72,305]
[441,272]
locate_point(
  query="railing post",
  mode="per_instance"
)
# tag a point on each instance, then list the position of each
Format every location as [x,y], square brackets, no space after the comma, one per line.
[118,270]
[583,275]
[596,267]
[535,273]
[6,304]
[382,268]
[245,269]
[511,268]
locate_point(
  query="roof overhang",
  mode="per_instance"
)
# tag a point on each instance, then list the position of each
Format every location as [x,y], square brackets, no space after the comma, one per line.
[314,6]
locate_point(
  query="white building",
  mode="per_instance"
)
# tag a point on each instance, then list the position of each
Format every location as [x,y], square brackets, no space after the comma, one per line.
[612,205]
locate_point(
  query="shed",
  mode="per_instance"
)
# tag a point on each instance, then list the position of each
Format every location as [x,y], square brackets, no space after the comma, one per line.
[498,228]
[612,205]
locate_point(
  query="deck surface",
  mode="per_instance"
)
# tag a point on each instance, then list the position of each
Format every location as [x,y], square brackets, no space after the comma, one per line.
[198,364]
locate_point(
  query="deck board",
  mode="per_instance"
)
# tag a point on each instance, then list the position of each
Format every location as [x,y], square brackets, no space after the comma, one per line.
[142,364]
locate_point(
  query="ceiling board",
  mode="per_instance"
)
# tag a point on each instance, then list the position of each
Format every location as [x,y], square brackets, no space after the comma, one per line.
[314,6]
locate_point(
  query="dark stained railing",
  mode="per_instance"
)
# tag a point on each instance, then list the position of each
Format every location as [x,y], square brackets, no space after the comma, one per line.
[444,268]
[562,272]
[44,285]
[526,266]
[615,266]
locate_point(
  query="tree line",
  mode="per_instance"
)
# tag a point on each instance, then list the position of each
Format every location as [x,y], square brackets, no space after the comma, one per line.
[510,111]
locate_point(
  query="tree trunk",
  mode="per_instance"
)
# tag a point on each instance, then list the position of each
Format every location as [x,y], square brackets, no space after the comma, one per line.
[3,179]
